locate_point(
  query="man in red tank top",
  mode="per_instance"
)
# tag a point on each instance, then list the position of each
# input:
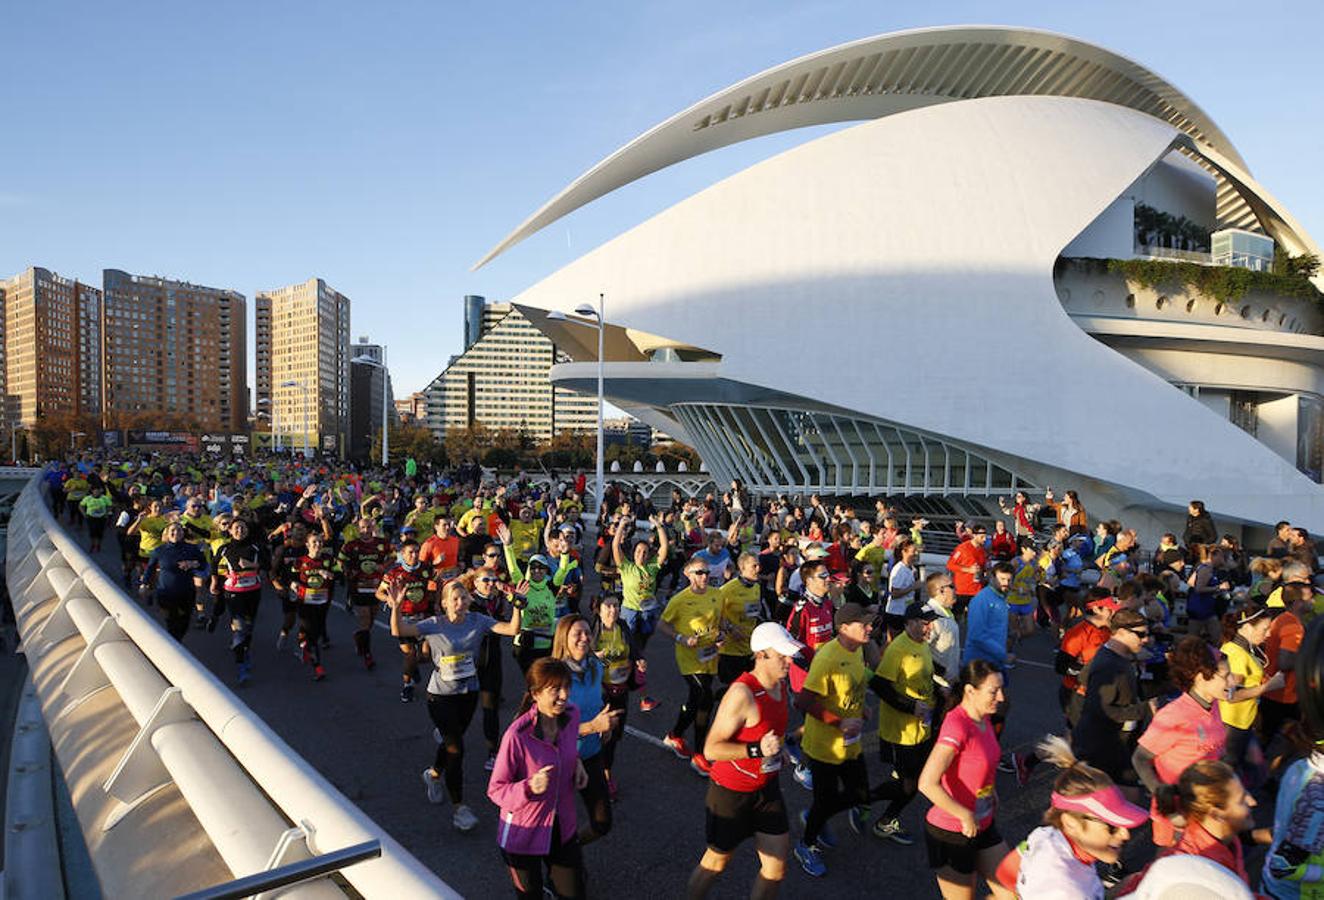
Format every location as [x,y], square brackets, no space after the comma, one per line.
[744,745]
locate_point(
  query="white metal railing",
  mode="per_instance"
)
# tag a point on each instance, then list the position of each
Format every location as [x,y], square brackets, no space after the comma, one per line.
[260,804]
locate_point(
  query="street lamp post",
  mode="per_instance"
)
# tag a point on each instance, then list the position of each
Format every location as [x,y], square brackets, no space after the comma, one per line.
[307,451]
[386,431]
[74,436]
[587,311]
[270,402]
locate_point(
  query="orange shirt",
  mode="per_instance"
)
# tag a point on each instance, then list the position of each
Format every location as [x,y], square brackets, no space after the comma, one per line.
[965,555]
[442,555]
[1286,634]
[1081,642]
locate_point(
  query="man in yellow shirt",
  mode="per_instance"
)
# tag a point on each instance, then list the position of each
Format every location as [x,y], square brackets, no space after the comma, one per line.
[904,682]
[691,619]
[877,556]
[742,610]
[832,700]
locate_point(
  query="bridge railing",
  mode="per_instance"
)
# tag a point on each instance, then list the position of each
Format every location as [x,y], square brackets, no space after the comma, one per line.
[259,803]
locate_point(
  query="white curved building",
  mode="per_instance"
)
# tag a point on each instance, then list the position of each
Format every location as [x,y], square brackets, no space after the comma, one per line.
[914,305]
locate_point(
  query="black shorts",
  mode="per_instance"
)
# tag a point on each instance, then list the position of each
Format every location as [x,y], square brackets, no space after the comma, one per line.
[906,760]
[729,668]
[359,599]
[953,850]
[735,816]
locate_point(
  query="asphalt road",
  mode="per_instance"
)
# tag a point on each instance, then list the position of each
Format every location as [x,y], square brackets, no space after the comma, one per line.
[356,731]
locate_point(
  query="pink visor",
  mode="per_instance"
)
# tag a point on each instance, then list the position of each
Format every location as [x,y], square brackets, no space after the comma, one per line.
[1107,805]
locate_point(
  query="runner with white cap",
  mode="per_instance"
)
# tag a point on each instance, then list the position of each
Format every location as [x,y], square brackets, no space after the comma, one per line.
[744,746]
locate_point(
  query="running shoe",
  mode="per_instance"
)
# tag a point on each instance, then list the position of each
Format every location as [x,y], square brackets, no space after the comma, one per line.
[826,839]
[436,790]
[245,672]
[648,704]
[407,693]
[811,860]
[804,777]
[326,643]
[678,746]
[281,639]
[463,818]
[368,662]
[491,762]
[891,830]
[211,624]
[700,764]
[858,818]
[1007,765]
[436,735]
[318,673]
[1024,766]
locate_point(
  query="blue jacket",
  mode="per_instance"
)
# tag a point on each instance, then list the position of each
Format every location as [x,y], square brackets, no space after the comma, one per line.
[586,694]
[986,628]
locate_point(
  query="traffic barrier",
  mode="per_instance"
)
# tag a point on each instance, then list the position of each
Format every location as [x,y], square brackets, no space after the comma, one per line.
[261,805]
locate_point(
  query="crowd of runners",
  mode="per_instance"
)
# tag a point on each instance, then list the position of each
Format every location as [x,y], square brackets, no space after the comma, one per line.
[797,627]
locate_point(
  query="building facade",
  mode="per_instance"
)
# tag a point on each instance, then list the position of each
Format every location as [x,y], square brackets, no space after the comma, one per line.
[52,347]
[974,230]
[369,388]
[173,350]
[501,380]
[413,408]
[303,351]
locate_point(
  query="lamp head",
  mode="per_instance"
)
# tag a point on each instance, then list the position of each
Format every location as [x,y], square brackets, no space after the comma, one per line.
[585,309]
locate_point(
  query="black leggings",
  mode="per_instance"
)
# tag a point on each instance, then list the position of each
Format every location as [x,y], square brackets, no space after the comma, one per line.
[312,627]
[697,709]
[96,527]
[409,653]
[452,713]
[489,695]
[597,800]
[837,787]
[618,701]
[526,653]
[565,869]
[177,608]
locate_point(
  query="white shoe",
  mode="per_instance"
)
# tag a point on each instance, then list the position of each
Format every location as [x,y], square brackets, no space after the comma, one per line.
[464,819]
[436,735]
[436,790]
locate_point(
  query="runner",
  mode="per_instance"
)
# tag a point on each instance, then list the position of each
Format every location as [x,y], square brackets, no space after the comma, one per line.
[284,565]
[1187,730]
[534,783]
[455,638]
[597,720]
[1113,712]
[639,582]
[691,620]
[236,585]
[625,670]
[492,598]
[314,578]
[1079,646]
[408,575]
[1088,822]
[1244,635]
[745,746]
[535,640]
[180,570]
[96,508]
[958,778]
[904,682]
[832,700]
[742,611]
[362,562]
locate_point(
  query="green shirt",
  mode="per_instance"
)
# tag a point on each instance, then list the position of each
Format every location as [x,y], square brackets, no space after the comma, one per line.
[639,584]
[96,507]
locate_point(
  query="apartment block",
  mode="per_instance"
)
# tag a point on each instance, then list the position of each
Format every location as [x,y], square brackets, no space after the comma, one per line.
[303,353]
[52,355]
[501,380]
[369,392]
[174,350]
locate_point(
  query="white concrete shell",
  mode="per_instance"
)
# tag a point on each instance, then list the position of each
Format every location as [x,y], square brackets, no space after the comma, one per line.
[919,249]
[892,73]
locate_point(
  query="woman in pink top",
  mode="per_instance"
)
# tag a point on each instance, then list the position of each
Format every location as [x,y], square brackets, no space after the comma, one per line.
[534,781]
[960,833]
[1187,730]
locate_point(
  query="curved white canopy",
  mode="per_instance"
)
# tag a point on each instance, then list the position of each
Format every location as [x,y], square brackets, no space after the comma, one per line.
[887,74]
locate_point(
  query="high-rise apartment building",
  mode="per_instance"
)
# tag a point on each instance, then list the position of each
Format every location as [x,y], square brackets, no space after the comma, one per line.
[303,363]
[174,350]
[501,380]
[367,383]
[51,346]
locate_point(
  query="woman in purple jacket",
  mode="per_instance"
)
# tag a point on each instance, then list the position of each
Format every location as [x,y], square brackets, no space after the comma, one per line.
[534,782]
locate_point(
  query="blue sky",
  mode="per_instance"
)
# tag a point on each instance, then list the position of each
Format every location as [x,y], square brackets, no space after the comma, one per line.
[386,147]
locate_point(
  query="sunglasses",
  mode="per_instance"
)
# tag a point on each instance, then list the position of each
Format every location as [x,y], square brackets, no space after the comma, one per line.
[491,555]
[488,580]
[699,573]
[1139,632]
[1112,829]
[821,575]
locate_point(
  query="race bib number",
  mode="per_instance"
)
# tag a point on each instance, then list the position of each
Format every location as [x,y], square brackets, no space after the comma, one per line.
[648,604]
[753,609]
[242,581]
[707,653]
[985,801]
[457,667]
[851,740]
[314,596]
